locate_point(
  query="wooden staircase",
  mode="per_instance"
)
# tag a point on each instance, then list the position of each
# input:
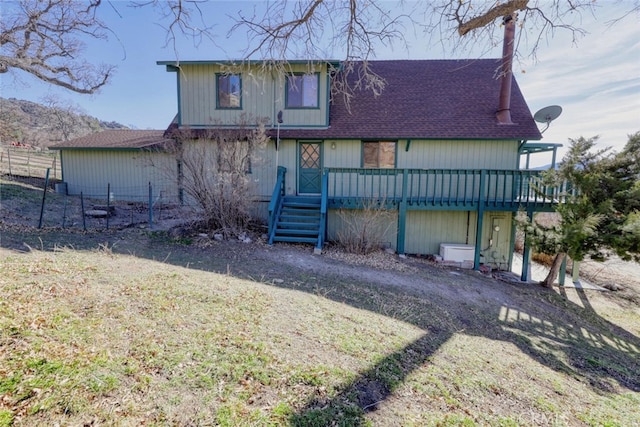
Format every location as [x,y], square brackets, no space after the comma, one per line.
[298,220]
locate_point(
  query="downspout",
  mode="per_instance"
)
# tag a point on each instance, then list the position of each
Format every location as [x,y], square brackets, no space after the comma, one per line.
[504,107]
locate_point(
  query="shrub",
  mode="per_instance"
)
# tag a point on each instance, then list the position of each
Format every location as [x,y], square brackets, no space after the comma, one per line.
[363,231]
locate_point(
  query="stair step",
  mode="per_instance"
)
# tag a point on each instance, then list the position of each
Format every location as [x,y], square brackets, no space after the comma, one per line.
[302,205]
[299,220]
[315,199]
[300,214]
[277,238]
[311,202]
[306,216]
[295,232]
[303,225]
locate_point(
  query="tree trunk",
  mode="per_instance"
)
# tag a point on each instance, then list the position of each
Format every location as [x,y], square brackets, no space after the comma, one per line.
[553,272]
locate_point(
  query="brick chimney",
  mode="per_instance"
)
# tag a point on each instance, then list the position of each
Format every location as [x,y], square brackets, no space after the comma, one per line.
[504,107]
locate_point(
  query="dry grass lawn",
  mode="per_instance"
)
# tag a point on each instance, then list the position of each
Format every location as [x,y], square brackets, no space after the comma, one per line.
[130,328]
[94,337]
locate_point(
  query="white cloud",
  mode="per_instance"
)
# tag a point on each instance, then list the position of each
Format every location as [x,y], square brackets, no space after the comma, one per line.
[597,82]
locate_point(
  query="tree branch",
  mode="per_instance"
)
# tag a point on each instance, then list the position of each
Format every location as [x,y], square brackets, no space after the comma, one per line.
[491,15]
[43,38]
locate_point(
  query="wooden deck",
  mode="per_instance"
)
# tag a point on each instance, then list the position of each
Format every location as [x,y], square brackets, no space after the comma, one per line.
[404,190]
[441,189]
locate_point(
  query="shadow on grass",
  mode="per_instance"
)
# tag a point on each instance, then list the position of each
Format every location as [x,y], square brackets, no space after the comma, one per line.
[546,326]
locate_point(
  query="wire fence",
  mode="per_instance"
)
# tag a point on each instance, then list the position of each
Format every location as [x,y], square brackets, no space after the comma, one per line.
[40,198]
[27,162]
[94,213]
[31,201]
[162,190]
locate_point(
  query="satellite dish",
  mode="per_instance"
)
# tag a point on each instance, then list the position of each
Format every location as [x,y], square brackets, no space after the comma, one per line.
[547,115]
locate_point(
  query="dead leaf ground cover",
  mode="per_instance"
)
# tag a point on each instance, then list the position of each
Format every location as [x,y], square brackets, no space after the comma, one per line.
[131,327]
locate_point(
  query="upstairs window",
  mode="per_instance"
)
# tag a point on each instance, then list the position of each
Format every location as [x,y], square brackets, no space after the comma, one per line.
[379,154]
[302,91]
[229,88]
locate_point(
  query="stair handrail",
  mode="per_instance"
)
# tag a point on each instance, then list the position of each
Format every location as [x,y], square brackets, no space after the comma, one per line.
[324,204]
[275,205]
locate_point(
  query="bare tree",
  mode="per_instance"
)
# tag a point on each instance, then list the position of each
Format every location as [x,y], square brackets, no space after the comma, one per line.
[44,38]
[10,129]
[214,171]
[285,29]
[181,18]
[352,30]
[63,117]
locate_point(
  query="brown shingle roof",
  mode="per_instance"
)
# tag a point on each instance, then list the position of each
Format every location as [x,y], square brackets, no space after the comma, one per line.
[116,139]
[431,99]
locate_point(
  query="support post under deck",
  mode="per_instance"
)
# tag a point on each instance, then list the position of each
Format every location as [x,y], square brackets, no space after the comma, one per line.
[402,214]
[526,256]
[479,220]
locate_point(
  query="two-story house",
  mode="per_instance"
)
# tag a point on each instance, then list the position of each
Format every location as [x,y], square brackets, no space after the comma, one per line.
[440,146]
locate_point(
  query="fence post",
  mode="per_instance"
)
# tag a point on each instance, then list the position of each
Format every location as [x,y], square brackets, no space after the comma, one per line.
[159,202]
[9,158]
[64,212]
[84,220]
[44,196]
[108,200]
[150,206]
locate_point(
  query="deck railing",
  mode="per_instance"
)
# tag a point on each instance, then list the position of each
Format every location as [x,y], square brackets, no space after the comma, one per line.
[442,188]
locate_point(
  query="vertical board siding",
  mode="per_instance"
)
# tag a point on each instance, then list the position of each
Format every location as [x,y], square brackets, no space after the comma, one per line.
[435,159]
[200,158]
[263,171]
[288,157]
[198,98]
[344,223]
[263,95]
[128,173]
[260,212]
[346,154]
[426,154]
[431,154]
[427,229]
[303,117]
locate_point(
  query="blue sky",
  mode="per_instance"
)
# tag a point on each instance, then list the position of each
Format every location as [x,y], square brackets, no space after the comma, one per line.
[597,81]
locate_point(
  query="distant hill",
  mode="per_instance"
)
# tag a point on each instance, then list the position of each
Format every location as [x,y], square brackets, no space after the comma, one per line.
[38,125]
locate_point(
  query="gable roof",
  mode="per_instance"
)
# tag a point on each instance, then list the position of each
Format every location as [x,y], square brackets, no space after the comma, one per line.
[117,139]
[427,99]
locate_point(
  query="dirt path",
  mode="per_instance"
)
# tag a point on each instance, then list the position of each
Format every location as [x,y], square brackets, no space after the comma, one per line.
[21,209]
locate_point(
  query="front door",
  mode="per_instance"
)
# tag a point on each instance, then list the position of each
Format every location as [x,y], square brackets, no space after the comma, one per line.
[309,167]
